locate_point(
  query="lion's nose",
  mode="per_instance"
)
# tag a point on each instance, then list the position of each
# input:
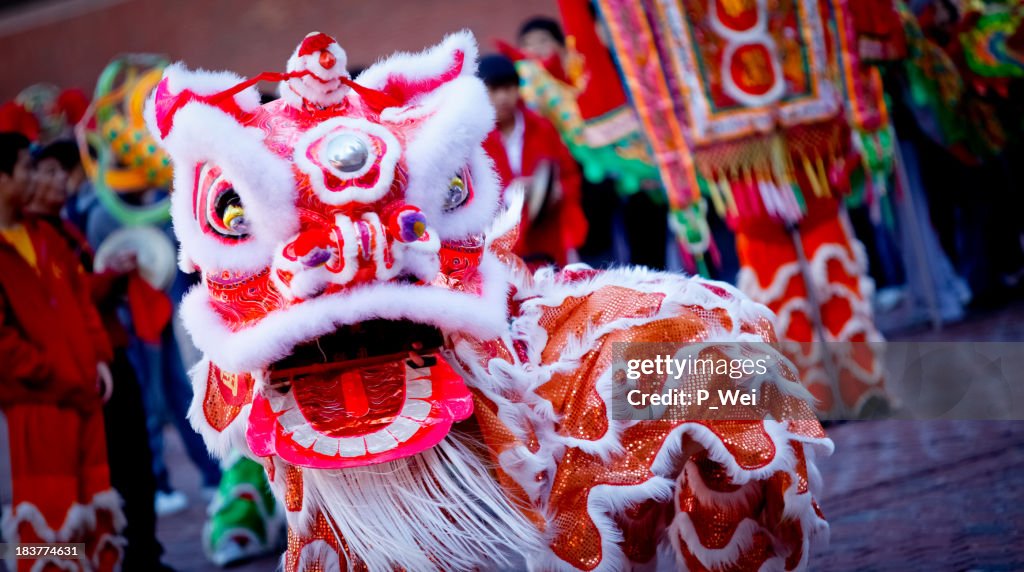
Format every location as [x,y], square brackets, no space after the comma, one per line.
[312,247]
[316,257]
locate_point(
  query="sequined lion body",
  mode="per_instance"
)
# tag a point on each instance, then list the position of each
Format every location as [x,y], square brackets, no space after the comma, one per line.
[420,400]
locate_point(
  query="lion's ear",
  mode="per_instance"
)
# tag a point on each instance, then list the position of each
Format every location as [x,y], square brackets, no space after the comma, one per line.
[445,113]
[409,77]
[181,86]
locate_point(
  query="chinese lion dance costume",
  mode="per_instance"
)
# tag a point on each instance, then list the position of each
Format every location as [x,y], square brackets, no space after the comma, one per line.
[417,398]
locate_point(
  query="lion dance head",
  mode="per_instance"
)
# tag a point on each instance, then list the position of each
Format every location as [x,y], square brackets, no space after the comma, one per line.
[359,299]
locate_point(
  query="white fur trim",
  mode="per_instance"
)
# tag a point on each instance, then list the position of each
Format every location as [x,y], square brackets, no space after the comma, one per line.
[511,387]
[319,555]
[456,118]
[442,505]
[273,337]
[200,82]
[264,182]
[742,539]
[325,89]
[110,501]
[205,82]
[853,261]
[796,506]
[429,63]
[80,519]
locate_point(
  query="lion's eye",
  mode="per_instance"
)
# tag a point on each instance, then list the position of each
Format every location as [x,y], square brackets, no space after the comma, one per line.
[228,215]
[457,194]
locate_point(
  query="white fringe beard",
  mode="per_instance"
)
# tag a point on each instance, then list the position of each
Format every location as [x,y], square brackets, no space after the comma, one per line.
[440,509]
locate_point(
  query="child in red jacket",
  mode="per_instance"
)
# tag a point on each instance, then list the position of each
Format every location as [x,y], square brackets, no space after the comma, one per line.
[527,148]
[53,351]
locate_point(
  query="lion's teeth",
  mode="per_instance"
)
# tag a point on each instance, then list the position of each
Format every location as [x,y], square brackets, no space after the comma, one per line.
[416,372]
[291,420]
[380,441]
[304,436]
[403,428]
[351,446]
[418,388]
[326,446]
[416,409]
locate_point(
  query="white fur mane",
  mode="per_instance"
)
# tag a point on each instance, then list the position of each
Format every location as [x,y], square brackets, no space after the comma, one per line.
[440,508]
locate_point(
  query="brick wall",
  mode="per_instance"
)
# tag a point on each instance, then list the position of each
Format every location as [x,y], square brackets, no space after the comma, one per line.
[67,42]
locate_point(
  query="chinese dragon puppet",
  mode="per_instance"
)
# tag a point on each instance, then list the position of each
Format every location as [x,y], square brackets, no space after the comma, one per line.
[418,400]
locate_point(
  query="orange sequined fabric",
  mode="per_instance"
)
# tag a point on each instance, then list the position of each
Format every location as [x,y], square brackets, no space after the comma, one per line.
[715,488]
[226,394]
[572,480]
[300,557]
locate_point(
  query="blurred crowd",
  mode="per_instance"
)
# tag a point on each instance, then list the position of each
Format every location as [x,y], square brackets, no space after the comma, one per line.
[85,345]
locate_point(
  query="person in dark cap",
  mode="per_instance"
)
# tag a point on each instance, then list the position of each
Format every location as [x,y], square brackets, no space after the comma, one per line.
[527,150]
[541,37]
[502,81]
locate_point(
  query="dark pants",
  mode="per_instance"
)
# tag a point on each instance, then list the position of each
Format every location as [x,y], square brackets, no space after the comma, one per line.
[623,230]
[646,227]
[131,465]
[167,394]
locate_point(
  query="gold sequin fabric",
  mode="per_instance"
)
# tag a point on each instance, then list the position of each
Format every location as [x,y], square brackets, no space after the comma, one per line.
[293,488]
[321,533]
[729,493]
[226,394]
[585,461]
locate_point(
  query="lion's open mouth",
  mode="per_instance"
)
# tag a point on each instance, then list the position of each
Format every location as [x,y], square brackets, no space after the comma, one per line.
[367,393]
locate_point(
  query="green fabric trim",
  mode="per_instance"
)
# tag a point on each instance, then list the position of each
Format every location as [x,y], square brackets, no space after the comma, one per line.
[234,509]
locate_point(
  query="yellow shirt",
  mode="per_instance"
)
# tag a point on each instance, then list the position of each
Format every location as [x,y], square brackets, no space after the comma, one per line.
[18,237]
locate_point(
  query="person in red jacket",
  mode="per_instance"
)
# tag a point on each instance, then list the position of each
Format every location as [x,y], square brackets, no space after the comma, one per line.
[527,149]
[54,352]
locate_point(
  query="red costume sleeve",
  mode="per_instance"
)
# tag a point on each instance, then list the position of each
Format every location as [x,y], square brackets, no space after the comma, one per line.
[574,223]
[98,334]
[496,151]
[81,288]
[24,363]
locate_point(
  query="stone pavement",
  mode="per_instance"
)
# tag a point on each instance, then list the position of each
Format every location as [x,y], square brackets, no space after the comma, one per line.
[181,534]
[924,495]
[900,495]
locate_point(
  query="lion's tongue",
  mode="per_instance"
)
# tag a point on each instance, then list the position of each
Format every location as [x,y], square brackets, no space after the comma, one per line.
[352,401]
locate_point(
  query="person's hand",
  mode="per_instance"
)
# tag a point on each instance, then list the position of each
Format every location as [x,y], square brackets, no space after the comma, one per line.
[104,381]
[123,262]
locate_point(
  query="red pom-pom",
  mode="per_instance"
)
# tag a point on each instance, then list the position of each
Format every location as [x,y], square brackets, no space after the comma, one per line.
[315,43]
[15,118]
[72,103]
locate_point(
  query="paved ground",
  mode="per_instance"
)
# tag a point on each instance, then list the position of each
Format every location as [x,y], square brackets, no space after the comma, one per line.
[901,495]
[925,495]
[181,533]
